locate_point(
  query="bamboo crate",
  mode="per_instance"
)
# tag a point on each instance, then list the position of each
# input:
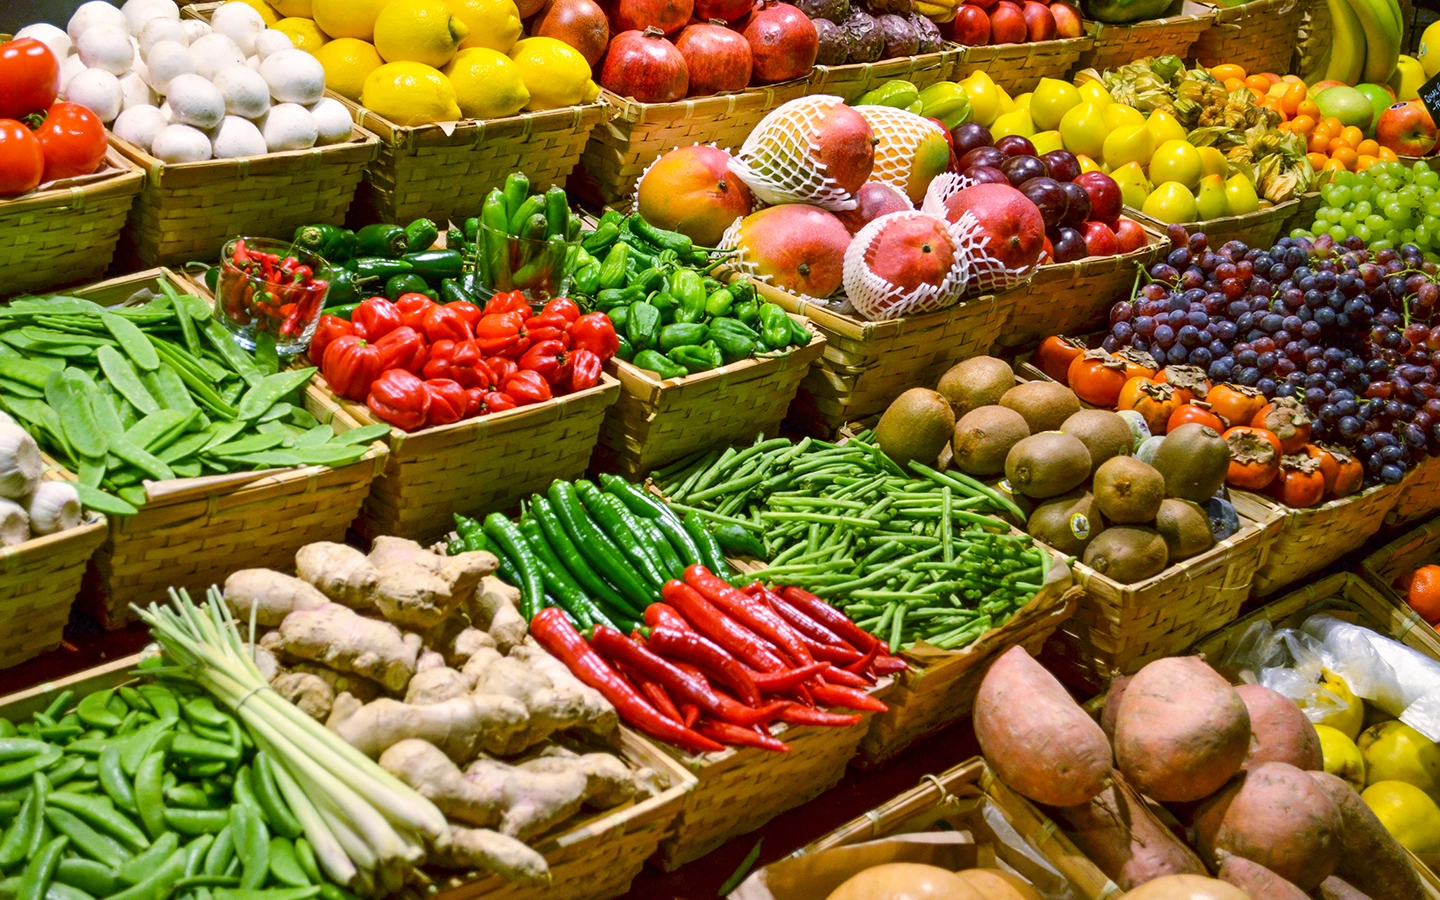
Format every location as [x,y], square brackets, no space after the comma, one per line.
[636,134]
[595,860]
[472,467]
[1419,494]
[1116,45]
[1258,229]
[1258,36]
[1303,541]
[850,81]
[1406,553]
[658,421]
[1303,215]
[1075,297]
[66,234]
[195,531]
[1019,67]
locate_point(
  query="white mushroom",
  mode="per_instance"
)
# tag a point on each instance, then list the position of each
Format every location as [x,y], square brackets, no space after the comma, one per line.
[195,101]
[214,52]
[332,121]
[99,91]
[239,22]
[195,28]
[272,41]
[288,126]
[139,125]
[167,113]
[134,91]
[106,47]
[245,92]
[238,137]
[58,41]
[71,67]
[294,76]
[93,14]
[140,12]
[168,60]
[157,30]
[181,144]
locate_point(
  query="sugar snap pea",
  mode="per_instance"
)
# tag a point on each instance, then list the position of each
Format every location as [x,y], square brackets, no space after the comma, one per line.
[40,870]
[93,877]
[136,870]
[123,377]
[87,840]
[65,395]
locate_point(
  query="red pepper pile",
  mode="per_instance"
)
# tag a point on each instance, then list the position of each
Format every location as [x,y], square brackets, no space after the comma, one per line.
[416,363]
[277,295]
[719,664]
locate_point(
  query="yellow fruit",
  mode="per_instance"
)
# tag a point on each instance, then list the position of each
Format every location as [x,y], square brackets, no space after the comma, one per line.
[1429,54]
[347,62]
[300,9]
[487,84]
[1051,100]
[1087,164]
[1084,129]
[303,33]
[266,11]
[1409,77]
[1213,162]
[1342,757]
[1176,161]
[1134,186]
[410,93]
[348,18]
[984,97]
[1023,100]
[1348,716]
[1165,127]
[1171,202]
[1127,144]
[420,31]
[492,23]
[1017,121]
[1118,114]
[1045,141]
[1409,815]
[1210,200]
[1094,92]
[554,72]
[1240,195]
[1394,751]
[1006,103]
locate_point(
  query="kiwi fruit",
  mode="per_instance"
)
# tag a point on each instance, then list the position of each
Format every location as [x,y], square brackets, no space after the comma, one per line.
[1066,522]
[1194,459]
[984,436]
[1127,553]
[1102,432]
[1185,528]
[915,427]
[1128,491]
[1047,464]
[1044,404]
[975,382]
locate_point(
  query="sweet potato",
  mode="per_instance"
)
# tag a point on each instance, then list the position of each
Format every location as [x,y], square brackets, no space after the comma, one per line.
[1277,816]
[1121,836]
[1181,731]
[1037,737]
[1186,887]
[1279,731]
[1367,856]
[1111,707]
[1256,880]
[993,884]
[1334,888]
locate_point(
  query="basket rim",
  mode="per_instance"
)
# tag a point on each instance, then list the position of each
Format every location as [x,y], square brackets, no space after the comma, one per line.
[1279,511]
[90,531]
[1250,530]
[981,53]
[468,131]
[823,75]
[1427,533]
[800,355]
[155,169]
[1229,15]
[1259,216]
[1203,13]
[637,112]
[127,177]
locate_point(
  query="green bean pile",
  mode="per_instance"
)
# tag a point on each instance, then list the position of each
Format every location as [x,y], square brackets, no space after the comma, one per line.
[907,558]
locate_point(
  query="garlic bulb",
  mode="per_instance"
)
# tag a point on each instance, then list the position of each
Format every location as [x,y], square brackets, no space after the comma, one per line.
[14,524]
[55,506]
[20,462]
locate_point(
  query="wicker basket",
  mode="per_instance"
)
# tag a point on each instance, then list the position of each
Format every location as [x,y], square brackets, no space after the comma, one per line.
[1257,229]
[472,467]
[195,531]
[621,149]
[1406,553]
[658,421]
[1258,36]
[1019,67]
[1303,216]
[1075,297]
[850,81]
[1302,541]
[1419,494]
[1116,45]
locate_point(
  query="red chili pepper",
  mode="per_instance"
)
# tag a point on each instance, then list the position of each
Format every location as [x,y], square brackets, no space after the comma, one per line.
[550,359]
[301,275]
[555,633]
[374,318]
[850,698]
[889,665]
[596,333]
[350,366]
[740,737]
[709,621]
[692,648]
[833,675]
[831,653]
[400,399]
[829,616]
[526,387]
[655,693]
[797,619]
[502,335]
[862,665]
[502,367]
[562,306]
[690,713]
[447,401]
[442,323]
[330,328]
[750,612]
[403,348]
[466,310]
[585,369]
[800,715]
[780,682]
[511,302]
[240,256]
[548,328]
[414,307]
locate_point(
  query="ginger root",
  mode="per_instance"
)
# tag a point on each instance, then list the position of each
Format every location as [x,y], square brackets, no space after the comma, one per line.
[481,848]
[270,594]
[309,692]
[436,685]
[609,782]
[599,716]
[493,607]
[343,639]
[551,709]
[419,589]
[340,572]
[358,686]
[461,727]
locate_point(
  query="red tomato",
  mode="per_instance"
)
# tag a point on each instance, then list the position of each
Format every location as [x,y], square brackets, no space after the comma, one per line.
[73,139]
[1189,412]
[29,78]
[22,161]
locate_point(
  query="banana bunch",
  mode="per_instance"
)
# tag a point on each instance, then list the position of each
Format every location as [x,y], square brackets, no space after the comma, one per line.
[1366,46]
[939,11]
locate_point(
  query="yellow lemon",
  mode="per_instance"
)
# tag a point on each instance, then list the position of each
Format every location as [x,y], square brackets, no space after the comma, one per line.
[1342,757]
[1409,815]
[1165,127]
[1171,202]
[410,93]
[301,9]
[1134,186]
[984,97]
[1118,114]
[493,23]
[1094,92]
[347,61]
[1429,53]
[1083,128]
[420,31]
[1046,141]
[1022,101]
[1052,99]
[1396,752]
[554,72]
[1127,144]
[266,11]
[1176,161]
[1213,162]
[487,84]
[1016,121]
[348,18]
[303,33]
[1348,716]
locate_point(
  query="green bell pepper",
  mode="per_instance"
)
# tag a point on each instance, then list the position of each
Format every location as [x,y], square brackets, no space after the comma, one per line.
[408,283]
[719,303]
[626,350]
[681,334]
[618,317]
[436,263]
[609,298]
[643,325]
[612,271]
[421,234]
[659,364]
[747,312]
[698,358]
[381,239]
[774,327]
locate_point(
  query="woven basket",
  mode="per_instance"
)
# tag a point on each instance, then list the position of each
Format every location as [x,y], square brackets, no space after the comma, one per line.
[1401,556]
[1019,67]
[1419,494]
[473,467]
[1116,45]
[1075,297]
[850,81]
[1303,216]
[1258,229]
[195,531]
[66,234]
[1258,36]
[658,421]
[1302,541]
[636,134]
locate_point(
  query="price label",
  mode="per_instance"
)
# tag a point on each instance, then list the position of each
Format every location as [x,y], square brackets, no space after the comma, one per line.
[1430,96]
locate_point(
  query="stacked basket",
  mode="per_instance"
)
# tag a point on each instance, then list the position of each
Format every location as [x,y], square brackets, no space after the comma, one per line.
[1176,32]
[1019,67]
[1258,36]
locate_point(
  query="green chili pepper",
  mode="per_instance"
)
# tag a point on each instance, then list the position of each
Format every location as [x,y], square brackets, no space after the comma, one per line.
[503,532]
[587,280]
[700,358]
[494,237]
[659,364]
[774,327]
[612,298]
[470,229]
[747,312]
[436,263]
[599,240]
[612,271]
[626,350]
[420,235]
[719,303]
[517,188]
[651,279]
[619,317]
[377,267]
[382,240]
[734,344]
[662,239]
[680,335]
[643,325]
[409,283]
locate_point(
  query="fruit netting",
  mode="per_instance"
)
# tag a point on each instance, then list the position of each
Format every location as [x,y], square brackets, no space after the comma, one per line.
[877,299]
[777,160]
[987,274]
[898,136]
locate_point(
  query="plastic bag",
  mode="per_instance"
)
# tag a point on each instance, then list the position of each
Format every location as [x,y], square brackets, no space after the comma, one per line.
[1289,663]
[1399,680]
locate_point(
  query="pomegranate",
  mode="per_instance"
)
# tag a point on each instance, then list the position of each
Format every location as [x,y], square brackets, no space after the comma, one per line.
[638,15]
[691,190]
[579,23]
[1010,223]
[717,57]
[726,10]
[798,248]
[873,200]
[783,41]
[645,66]
[910,251]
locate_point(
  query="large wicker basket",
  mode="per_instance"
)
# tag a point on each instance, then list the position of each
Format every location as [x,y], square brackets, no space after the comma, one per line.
[1258,36]
[1019,67]
[636,134]
[850,81]
[1258,229]
[472,467]
[1419,493]
[1116,45]
[1402,556]
[66,233]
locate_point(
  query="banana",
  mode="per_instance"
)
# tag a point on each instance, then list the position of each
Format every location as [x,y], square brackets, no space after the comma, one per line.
[1382,40]
[1347,51]
[935,11]
[1318,69]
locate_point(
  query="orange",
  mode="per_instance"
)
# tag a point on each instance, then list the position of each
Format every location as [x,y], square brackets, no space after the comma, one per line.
[1233,84]
[1346,155]
[1302,124]
[1352,136]
[1388,155]
[1318,143]
[1307,107]
[1290,101]
[1259,94]
[1423,593]
[1226,71]
[1336,143]
[1258,82]
[1273,103]
[1317,160]
[1364,161]
[1333,165]
[1367,148]
[1334,125]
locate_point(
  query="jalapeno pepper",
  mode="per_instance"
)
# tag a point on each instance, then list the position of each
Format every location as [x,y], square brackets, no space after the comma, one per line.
[332,242]
[408,283]
[420,235]
[436,263]
[377,267]
[381,239]
[343,290]
[659,364]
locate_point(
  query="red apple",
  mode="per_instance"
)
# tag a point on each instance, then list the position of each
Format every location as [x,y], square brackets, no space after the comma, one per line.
[1039,22]
[1007,24]
[1010,223]
[970,27]
[1105,199]
[873,200]
[1048,253]
[1067,20]
[1129,235]
[983,4]
[1099,239]
[1406,128]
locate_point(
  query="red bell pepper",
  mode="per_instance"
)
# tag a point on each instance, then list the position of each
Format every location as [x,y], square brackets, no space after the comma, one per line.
[466,310]
[496,401]
[502,367]
[561,306]
[526,387]
[512,301]
[350,366]
[585,369]
[740,641]
[442,323]
[548,328]
[690,647]
[502,334]
[447,401]
[750,612]
[400,399]
[596,333]
[474,401]
[328,329]
[403,348]
[375,318]
[459,361]
[413,309]
[550,359]
[740,737]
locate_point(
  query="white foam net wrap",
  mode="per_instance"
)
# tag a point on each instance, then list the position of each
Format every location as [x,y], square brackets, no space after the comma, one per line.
[899,135]
[777,162]
[987,274]
[877,299]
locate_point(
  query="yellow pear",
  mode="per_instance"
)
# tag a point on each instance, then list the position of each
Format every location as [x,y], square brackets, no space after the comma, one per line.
[1045,141]
[1051,100]
[1394,751]
[1409,815]
[1083,128]
[1006,103]
[1210,198]
[1348,716]
[1016,121]
[1165,127]
[1117,114]
[1087,164]
[1409,77]
[984,97]
[1170,202]
[1213,162]
[1022,101]
[1134,186]
[1342,757]
[1094,92]
[1127,144]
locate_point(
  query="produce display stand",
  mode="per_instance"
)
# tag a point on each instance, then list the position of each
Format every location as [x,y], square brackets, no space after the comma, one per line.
[635,134]
[1117,45]
[1406,553]
[656,421]
[1258,36]
[471,467]
[1258,229]
[66,233]
[1019,67]
[852,80]
[195,531]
